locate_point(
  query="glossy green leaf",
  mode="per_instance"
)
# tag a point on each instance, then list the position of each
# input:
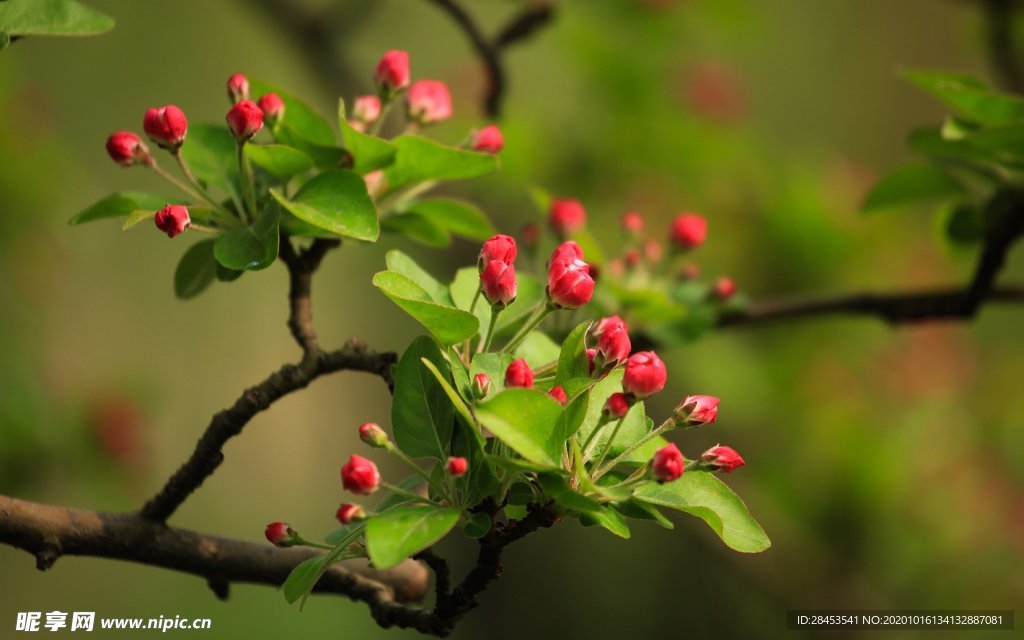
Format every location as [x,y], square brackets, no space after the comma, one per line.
[448,324]
[369,153]
[538,349]
[608,518]
[137,216]
[458,217]
[420,159]
[393,536]
[421,413]
[556,487]
[51,18]
[493,365]
[701,494]
[574,413]
[530,293]
[117,205]
[278,159]
[298,116]
[335,201]
[325,156]
[196,270]
[400,262]
[572,360]
[969,96]
[254,247]
[305,575]
[526,420]
[909,185]
[643,511]
[416,228]
[212,155]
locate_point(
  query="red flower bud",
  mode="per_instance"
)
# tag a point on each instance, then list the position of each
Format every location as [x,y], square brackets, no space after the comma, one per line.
[360,476]
[720,458]
[610,323]
[125,148]
[645,374]
[428,101]
[392,72]
[166,126]
[613,347]
[689,230]
[281,534]
[376,183]
[373,435]
[724,288]
[366,109]
[245,119]
[591,354]
[569,283]
[488,140]
[349,513]
[172,220]
[568,250]
[498,282]
[519,374]
[695,411]
[238,88]
[272,107]
[481,385]
[668,464]
[558,393]
[566,216]
[500,247]
[457,467]
[633,223]
[616,406]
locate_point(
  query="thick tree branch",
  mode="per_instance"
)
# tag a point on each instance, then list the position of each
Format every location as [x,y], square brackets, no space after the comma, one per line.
[301,267]
[48,532]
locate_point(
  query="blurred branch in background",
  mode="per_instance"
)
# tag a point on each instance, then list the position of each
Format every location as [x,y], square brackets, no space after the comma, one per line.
[1004,50]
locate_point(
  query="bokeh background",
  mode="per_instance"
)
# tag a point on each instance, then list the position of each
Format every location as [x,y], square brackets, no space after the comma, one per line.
[886,464]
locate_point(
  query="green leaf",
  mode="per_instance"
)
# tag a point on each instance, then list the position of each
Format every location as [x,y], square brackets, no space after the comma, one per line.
[701,494]
[643,511]
[493,365]
[211,154]
[416,228]
[574,414]
[478,526]
[609,519]
[51,18]
[556,487]
[572,361]
[911,184]
[530,292]
[369,153]
[196,270]
[137,216]
[254,247]
[298,116]
[446,385]
[969,96]
[402,532]
[448,324]
[963,225]
[526,420]
[335,201]
[305,575]
[421,413]
[458,217]
[278,159]
[401,263]
[420,160]
[538,349]
[599,393]
[116,205]
[325,156]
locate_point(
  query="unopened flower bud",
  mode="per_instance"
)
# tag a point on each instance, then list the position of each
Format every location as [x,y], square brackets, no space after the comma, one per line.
[632,223]
[689,230]
[428,101]
[366,109]
[695,411]
[591,355]
[481,385]
[360,476]
[272,107]
[558,393]
[373,435]
[645,374]
[498,283]
[519,374]
[349,513]
[668,464]
[725,288]
[613,344]
[457,467]
[166,126]
[392,72]
[245,119]
[498,247]
[570,284]
[566,216]
[721,458]
[173,220]
[281,534]
[487,140]
[616,406]
[126,149]
[238,88]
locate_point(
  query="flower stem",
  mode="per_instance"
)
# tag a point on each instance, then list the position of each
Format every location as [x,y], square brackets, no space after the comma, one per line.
[398,453]
[408,494]
[245,178]
[486,343]
[177,183]
[665,426]
[192,180]
[608,445]
[543,309]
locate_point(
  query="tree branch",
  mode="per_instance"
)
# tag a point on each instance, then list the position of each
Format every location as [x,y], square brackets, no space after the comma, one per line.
[1003,52]
[48,532]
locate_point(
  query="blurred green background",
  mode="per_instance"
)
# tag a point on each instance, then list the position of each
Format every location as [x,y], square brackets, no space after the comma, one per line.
[886,464]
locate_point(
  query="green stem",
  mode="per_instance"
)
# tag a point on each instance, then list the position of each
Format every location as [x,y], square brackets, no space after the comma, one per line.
[192,180]
[542,312]
[608,444]
[476,299]
[485,344]
[408,494]
[385,110]
[177,183]
[633,478]
[309,543]
[398,453]
[665,426]
[245,178]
